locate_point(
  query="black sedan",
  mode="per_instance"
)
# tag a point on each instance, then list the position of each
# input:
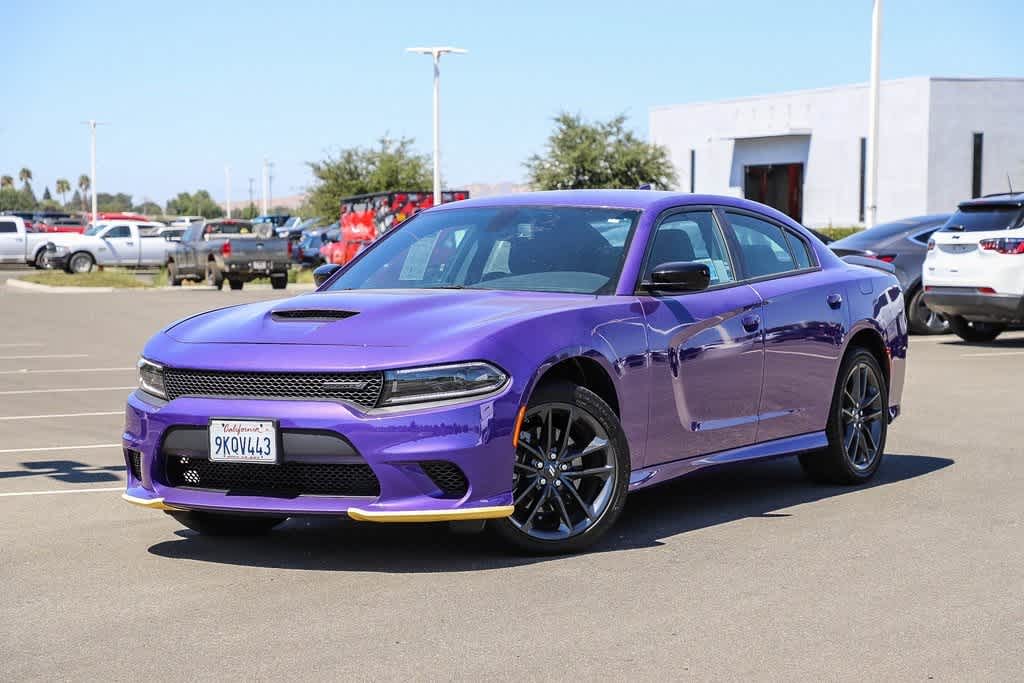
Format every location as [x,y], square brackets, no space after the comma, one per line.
[902,243]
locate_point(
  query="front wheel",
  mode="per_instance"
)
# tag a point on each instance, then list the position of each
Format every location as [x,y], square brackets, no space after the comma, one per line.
[214,277]
[923,320]
[40,260]
[172,274]
[279,282]
[82,262]
[974,331]
[570,475]
[218,524]
[858,422]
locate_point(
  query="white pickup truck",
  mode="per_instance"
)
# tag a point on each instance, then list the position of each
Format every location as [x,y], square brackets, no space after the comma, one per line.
[109,243]
[18,245]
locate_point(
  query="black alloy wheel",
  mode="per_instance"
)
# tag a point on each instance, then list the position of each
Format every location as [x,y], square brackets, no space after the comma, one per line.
[571,472]
[857,425]
[923,320]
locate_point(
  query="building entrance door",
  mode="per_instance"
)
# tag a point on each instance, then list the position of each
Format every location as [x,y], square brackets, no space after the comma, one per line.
[780,186]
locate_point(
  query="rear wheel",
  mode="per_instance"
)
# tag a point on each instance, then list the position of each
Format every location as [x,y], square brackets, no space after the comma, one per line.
[570,474]
[172,274]
[279,282]
[236,284]
[857,424]
[217,524]
[923,320]
[40,260]
[214,277]
[974,331]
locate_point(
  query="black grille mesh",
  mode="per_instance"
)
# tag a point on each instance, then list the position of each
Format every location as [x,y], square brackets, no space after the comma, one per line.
[361,388]
[134,460]
[312,314]
[446,476]
[288,478]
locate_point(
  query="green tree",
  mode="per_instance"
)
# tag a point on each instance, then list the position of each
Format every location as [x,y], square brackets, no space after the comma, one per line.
[25,176]
[12,199]
[83,185]
[63,187]
[47,197]
[113,203]
[76,199]
[198,204]
[6,181]
[391,165]
[148,208]
[604,154]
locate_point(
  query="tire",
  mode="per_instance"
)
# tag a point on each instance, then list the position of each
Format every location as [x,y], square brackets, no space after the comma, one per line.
[557,513]
[236,284]
[214,277]
[39,262]
[219,524]
[172,274]
[279,282]
[974,331]
[81,262]
[858,423]
[923,320]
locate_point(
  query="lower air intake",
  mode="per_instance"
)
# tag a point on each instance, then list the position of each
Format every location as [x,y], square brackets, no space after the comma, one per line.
[446,476]
[284,479]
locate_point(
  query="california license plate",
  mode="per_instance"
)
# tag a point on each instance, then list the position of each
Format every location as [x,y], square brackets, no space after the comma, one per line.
[259,265]
[243,441]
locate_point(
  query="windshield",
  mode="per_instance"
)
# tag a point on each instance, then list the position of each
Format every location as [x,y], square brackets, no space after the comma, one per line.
[980,218]
[94,228]
[527,248]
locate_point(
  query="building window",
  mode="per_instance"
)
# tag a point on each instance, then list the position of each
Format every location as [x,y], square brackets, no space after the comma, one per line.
[693,170]
[979,139]
[863,174]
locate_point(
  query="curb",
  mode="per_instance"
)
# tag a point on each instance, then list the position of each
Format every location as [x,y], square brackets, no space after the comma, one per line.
[15,283]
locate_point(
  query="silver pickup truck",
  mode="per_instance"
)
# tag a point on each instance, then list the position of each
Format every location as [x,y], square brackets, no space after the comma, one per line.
[232,250]
[19,245]
[107,243]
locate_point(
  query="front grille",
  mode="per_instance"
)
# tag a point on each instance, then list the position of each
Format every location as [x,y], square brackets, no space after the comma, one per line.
[284,479]
[360,388]
[446,476]
[134,460]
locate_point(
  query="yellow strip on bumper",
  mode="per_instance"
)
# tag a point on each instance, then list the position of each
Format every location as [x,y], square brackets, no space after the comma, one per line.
[151,503]
[431,515]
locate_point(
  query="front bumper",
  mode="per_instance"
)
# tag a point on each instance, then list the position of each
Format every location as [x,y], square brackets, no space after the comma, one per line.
[971,304]
[475,436]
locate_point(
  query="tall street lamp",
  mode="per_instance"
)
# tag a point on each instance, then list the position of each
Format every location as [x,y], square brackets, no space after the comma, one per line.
[436,53]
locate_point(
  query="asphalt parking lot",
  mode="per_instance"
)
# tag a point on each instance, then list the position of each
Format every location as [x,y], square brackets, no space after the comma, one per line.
[749,572]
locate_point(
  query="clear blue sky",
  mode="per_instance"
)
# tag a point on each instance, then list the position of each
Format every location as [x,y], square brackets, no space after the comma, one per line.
[191,86]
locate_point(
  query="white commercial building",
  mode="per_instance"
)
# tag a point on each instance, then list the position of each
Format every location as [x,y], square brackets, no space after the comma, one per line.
[941,140]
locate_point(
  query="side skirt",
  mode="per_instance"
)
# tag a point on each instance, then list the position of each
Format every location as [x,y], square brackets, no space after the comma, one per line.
[791,445]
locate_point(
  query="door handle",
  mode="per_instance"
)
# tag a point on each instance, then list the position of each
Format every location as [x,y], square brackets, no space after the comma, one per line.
[751,322]
[834,300]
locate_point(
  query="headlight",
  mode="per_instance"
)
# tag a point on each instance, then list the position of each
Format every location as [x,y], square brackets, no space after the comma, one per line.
[151,378]
[440,383]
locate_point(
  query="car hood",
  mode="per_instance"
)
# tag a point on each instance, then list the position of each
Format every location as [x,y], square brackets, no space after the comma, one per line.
[372,318]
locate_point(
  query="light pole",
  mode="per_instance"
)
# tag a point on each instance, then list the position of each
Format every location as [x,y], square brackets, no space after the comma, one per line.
[92,123]
[873,97]
[264,193]
[227,188]
[435,53]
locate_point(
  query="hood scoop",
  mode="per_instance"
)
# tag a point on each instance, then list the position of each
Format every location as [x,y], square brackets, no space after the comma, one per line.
[311,315]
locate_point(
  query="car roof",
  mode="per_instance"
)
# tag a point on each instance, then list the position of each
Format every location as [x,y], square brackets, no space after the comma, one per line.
[1002,199]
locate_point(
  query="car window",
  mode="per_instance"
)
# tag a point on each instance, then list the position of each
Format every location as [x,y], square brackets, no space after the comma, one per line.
[923,237]
[118,231]
[801,252]
[691,236]
[984,217]
[8,226]
[525,248]
[762,245]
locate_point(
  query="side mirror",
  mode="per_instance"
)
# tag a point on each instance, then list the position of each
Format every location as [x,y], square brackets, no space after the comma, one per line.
[324,273]
[679,276]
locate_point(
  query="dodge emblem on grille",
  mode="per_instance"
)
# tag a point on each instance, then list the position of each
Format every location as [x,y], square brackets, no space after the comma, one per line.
[344,384]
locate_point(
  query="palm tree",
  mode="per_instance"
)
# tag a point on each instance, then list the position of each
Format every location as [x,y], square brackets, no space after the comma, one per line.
[25,175]
[84,185]
[6,181]
[63,187]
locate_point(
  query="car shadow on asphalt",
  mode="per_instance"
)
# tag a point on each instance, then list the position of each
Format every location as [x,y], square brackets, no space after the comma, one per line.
[67,472]
[704,499]
[999,343]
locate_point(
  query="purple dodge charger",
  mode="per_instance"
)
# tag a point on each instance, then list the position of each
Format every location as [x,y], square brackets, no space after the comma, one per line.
[525,360]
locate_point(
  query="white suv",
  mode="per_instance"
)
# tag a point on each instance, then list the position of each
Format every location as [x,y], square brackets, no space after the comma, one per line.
[974,270]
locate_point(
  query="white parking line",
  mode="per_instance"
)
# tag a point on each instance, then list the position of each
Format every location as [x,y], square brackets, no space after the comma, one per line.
[55,371]
[991,354]
[5,345]
[46,355]
[40,449]
[63,391]
[55,491]
[44,417]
